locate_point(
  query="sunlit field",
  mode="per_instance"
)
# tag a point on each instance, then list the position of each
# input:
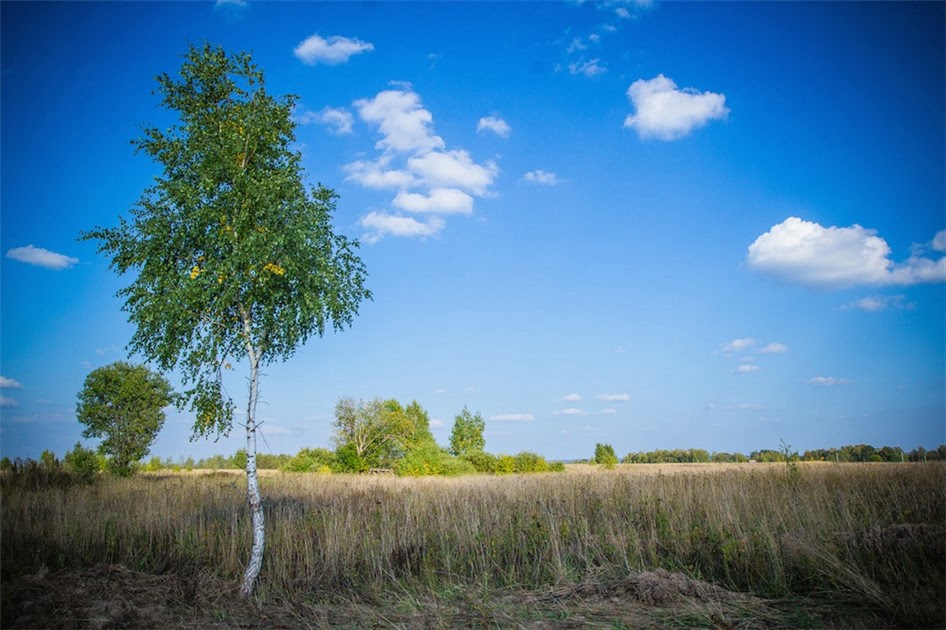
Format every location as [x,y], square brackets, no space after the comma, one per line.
[758,544]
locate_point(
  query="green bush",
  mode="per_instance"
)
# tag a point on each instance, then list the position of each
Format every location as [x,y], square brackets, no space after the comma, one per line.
[82,462]
[528,462]
[430,459]
[605,456]
[505,464]
[482,462]
[556,466]
[310,460]
[347,460]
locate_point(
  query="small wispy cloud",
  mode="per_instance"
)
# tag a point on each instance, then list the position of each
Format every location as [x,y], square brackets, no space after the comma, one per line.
[41,257]
[590,68]
[495,124]
[571,411]
[828,381]
[380,224]
[774,348]
[541,177]
[436,423]
[739,345]
[8,402]
[9,383]
[747,368]
[513,417]
[614,397]
[332,51]
[875,303]
[572,397]
[339,121]
[608,412]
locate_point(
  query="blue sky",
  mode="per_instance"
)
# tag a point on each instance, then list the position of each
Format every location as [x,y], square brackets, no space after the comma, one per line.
[705,225]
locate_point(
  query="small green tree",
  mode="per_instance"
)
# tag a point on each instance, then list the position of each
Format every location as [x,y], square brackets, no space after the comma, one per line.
[605,456]
[82,462]
[123,404]
[235,255]
[378,432]
[467,434]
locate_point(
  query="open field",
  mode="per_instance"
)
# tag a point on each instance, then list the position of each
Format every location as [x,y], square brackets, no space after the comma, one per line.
[743,545]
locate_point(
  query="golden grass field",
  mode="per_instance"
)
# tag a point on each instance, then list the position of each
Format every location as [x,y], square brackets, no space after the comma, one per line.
[724,545]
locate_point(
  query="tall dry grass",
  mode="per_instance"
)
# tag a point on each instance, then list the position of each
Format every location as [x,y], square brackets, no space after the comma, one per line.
[869,534]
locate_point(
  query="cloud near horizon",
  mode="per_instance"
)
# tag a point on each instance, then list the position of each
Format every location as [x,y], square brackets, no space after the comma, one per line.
[663,112]
[807,253]
[513,417]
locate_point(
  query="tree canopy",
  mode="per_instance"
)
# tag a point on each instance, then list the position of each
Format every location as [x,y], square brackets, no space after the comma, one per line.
[467,435]
[124,405]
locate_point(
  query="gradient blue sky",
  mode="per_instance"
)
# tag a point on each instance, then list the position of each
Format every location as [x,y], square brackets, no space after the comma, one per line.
[707,225]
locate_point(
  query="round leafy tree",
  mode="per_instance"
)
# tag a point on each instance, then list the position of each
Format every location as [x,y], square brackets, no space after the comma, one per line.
[123,405]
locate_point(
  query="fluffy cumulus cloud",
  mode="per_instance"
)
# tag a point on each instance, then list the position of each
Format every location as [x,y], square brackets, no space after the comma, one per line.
[495,124]
[827,381]
[664,112]
[439,200]
[513,417]
[380,224]
[808,253]
[9,383]
[415,161]
[41,257]
[332,51]
[774,348]
[541,177]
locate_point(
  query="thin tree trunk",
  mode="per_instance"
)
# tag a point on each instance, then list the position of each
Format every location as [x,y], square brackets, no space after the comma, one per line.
[252,479]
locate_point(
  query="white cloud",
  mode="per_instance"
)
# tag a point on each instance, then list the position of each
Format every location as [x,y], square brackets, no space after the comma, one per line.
[667,113]
[453,169]
[436,423]
[588,68]
[571,411]
[774,348]
[939,241]
[513,417]
[623,13]
[608,412]
[881,302]
[572,397]
[404,124]
[41,257]
[807,253]
[541,177]
[614,397]
[440,200]
[827,381]
[338,120]
[739,345]
[332,51]
[495,124]
[377,174]
[380,224]
[747,368]
[9,383]
[8,402]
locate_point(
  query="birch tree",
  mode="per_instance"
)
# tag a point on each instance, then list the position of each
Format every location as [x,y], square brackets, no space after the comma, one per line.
[235,257]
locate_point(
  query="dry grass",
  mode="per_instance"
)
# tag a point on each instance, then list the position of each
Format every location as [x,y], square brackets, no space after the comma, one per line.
[852,537]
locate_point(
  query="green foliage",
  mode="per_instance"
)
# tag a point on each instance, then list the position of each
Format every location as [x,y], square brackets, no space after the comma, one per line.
[430,459]
[231,255]
[467,434]
[556,466]
[482,462]
[6,464]
[675,456]
[505,464]
[311,460]
[48,460]
[604,455]
[380,431]
[347,460]
[123,405]
[528,462]
[82,462]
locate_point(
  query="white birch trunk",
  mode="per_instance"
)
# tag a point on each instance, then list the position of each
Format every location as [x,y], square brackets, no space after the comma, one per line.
[253,496]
